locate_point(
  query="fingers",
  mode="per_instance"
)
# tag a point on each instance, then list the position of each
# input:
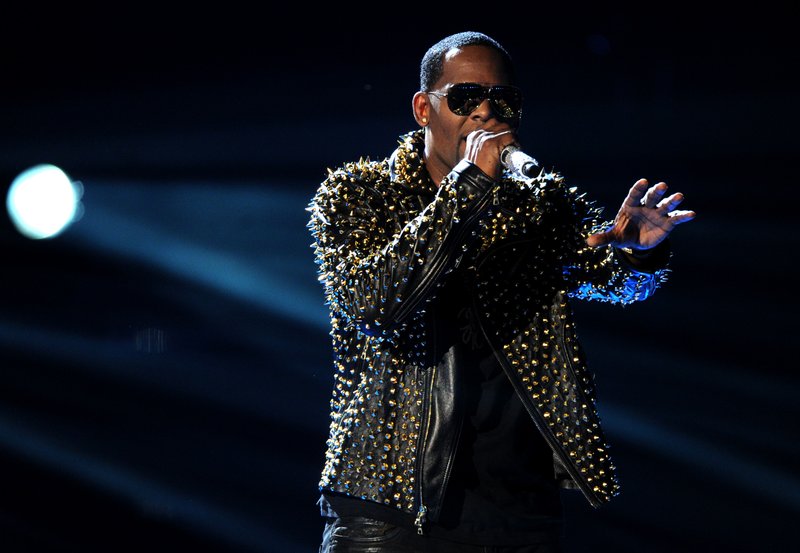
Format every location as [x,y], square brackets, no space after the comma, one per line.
[654,194]
[653,197]
[641,195]
[666,207]
[599,239]
[483,148]
[501,139]
[482,139]
[636,193]
[668,204]
[681,216]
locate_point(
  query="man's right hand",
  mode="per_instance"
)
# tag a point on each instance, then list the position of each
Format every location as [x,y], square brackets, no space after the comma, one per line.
[484,148]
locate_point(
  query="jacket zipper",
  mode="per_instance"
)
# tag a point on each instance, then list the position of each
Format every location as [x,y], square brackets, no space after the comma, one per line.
[449,469]
[428,378]
[422,510]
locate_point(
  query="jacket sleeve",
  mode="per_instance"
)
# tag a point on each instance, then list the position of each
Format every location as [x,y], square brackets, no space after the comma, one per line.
[378,265]
[605,273]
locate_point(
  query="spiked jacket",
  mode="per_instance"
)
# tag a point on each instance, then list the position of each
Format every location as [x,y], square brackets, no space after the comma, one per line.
[386,238]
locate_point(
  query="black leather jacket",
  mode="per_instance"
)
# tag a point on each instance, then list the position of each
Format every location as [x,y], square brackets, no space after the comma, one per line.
[386,238]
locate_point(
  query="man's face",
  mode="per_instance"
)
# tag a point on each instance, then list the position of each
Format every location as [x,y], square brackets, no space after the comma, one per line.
[447,132]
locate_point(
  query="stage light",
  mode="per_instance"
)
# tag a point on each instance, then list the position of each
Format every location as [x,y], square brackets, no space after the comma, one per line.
[43,201]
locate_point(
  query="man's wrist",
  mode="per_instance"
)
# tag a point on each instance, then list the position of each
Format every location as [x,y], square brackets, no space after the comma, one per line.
[474,176]
[649,260]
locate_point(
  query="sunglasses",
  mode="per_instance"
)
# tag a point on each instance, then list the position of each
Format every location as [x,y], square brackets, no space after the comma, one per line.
[464,98]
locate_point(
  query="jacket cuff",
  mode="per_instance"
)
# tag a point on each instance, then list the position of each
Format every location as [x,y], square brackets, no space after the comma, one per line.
[470,179]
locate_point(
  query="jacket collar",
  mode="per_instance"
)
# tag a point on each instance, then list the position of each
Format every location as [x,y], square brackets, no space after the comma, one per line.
[407,163]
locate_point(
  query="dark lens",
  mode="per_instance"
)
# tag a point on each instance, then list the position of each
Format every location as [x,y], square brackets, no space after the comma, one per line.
[463,98]
[506,101]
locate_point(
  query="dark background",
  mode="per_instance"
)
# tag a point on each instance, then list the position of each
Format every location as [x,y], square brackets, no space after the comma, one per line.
[164,363]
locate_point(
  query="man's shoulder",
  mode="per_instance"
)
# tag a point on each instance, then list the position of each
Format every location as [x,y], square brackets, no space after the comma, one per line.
[354,177]
[358,188]
[364,171]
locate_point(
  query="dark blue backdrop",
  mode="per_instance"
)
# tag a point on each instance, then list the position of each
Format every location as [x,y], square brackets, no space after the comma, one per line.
[165,365]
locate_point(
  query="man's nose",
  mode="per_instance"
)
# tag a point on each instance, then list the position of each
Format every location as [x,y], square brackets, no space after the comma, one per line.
[484,110]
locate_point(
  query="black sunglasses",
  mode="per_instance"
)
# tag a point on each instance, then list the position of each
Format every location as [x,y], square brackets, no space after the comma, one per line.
[464,98]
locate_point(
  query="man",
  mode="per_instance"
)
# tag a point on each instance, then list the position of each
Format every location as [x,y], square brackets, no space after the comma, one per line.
[462,403]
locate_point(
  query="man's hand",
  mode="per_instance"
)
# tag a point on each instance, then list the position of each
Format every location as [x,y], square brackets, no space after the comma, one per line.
[645,219]
[484,146]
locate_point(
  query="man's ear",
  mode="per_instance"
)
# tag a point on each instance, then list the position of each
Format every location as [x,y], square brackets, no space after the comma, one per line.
[421,107]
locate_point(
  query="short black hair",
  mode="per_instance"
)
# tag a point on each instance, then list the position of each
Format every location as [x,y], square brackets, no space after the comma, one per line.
[430,70]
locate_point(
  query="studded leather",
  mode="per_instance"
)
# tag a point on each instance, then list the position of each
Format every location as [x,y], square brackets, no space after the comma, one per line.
[385,239]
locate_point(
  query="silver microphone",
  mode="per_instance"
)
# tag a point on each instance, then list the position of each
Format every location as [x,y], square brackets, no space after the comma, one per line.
[518,161]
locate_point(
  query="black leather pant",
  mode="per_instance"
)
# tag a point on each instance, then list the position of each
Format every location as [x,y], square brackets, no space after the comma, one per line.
[365,535]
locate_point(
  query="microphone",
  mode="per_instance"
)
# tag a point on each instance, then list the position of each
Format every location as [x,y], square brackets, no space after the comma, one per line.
[518,161]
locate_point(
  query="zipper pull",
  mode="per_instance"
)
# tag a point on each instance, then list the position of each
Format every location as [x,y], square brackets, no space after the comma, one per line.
[496,199]
[421,518]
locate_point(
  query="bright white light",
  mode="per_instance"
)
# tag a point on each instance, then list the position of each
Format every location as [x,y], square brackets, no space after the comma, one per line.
[43,201]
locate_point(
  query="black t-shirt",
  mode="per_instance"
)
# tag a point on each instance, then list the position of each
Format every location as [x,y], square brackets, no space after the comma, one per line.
[502,489]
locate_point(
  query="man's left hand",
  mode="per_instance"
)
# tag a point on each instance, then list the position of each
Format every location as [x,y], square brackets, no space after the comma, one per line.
[645,219]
